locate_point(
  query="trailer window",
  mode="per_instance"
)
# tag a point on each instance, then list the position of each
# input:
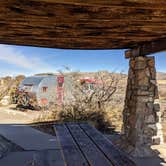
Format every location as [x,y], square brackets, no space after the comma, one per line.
[27,87]
[45,89]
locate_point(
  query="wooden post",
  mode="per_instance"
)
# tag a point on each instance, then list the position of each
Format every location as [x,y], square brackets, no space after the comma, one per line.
[147,48]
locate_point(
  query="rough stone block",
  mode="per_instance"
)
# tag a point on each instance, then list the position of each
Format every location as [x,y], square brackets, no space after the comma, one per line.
[154,82]
[151,89]
[140,58]
[153,73]
[142,93]
[150,119]
[156,141]
[156,96]
[144,99]
[151,61]
[142,79]
[150,105]
[147,72]
[157,107]
[140,65]
[152,126]
[132,63]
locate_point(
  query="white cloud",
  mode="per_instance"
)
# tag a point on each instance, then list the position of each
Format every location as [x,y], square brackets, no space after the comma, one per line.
[14,56]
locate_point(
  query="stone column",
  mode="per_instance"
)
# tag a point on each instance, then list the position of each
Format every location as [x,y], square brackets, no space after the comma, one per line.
[140,111]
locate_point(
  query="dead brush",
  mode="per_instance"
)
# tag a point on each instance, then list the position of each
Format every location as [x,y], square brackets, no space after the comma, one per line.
[91,104]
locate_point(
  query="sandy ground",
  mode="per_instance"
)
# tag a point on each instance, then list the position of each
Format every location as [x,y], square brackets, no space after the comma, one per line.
[8,115]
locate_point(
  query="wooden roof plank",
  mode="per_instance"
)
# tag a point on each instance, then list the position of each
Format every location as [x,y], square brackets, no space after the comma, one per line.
[88,25]
[147,48]
[121,3]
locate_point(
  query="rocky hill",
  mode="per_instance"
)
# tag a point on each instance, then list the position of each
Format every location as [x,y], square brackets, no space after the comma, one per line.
[161,76]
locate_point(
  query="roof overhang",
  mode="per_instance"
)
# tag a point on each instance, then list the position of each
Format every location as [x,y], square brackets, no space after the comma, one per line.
[77,24]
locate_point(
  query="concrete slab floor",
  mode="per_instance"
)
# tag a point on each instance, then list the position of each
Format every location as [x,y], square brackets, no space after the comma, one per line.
[28,138]
[33,158]
[158,160]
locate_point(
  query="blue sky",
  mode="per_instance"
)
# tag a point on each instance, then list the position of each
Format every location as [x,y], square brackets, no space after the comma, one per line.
[16,60]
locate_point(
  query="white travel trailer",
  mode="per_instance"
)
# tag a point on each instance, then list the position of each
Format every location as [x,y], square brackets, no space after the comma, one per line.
[47,89]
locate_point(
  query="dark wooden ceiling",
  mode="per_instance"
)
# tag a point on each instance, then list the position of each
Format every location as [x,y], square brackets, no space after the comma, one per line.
[82,24]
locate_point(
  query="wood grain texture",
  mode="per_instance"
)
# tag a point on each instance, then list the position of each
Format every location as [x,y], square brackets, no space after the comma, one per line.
[72,155]
[77,24]
[94,156]
[117,157]
[147,48]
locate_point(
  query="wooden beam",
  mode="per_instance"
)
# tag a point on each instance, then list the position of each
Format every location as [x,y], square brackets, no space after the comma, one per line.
[147,48]
[103,3]
[77,24]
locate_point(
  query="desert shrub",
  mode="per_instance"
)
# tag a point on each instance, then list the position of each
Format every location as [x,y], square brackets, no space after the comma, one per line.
[91,104]
[10,86]
[27,101]
[5,88]
[14,95]
[100,105]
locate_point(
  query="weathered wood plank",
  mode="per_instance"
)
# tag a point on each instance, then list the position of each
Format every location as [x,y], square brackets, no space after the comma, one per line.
[147,48]
[77,12]
[45,30]
[93,25]
[51,158]
[71,153]
[68,43]
[129,3]
[117,157]
[94,156]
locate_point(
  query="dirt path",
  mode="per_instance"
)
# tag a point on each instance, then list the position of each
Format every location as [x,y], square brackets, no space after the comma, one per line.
[10,116]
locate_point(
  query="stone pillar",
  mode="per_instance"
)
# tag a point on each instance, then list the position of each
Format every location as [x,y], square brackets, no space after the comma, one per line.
[158,139]
[140,111]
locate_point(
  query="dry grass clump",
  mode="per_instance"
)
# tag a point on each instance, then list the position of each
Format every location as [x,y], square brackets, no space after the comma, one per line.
[115,117]
[48,115]
[162,93]
[107,121]
[96,117]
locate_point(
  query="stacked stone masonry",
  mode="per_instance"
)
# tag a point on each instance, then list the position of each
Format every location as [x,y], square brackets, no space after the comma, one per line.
[140,111]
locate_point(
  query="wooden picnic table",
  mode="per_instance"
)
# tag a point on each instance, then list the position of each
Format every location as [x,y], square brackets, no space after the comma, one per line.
[83,145]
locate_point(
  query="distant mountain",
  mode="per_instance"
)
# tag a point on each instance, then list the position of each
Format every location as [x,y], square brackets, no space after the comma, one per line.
[161,76]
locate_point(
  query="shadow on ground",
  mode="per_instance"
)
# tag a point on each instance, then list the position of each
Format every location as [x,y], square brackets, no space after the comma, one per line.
[23,144]
[159,159]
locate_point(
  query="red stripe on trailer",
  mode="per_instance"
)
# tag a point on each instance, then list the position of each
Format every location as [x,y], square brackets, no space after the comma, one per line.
[60,89]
